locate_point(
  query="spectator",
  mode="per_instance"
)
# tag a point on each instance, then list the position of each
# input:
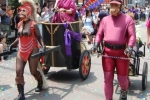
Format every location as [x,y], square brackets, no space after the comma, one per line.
[45,13]
[51,10]
[3,47]
[5,20]
[39,19]
[10,13]
[88,28]
[66,10]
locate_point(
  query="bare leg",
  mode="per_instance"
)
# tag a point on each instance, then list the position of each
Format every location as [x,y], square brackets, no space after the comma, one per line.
[33,64]
[20,64]
[89,39]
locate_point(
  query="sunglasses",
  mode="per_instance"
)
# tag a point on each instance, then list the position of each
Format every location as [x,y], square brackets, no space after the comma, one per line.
[23,10]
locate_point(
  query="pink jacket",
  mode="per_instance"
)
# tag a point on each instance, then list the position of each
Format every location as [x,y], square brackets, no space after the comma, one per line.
[117,30]
[66,4]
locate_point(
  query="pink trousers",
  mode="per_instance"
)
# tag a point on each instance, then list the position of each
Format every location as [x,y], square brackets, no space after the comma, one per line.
[109,65]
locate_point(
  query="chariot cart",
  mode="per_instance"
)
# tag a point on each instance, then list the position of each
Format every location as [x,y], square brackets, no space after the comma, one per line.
[63,49]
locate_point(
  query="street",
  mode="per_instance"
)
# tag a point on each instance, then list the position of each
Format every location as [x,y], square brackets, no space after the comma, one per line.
[67,85]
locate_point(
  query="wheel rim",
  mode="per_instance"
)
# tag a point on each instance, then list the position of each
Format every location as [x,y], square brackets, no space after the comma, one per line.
[85,65]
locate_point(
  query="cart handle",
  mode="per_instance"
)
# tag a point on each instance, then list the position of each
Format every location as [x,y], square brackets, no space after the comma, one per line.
[60,23]
[56,48]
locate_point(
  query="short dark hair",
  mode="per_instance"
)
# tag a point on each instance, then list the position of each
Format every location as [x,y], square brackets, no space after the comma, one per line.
[3,5]
[1,37]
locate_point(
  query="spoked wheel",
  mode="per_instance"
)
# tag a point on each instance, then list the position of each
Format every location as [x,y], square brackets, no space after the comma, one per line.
[144,75]
[44,68]
[84,64]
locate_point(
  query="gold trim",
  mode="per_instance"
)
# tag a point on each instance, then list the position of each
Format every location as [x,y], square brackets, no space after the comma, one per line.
[59,23]
[52,43]
[55,29]
[48,29]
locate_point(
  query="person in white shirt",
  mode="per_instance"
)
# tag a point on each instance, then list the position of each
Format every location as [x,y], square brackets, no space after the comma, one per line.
[147,12]
[45,14]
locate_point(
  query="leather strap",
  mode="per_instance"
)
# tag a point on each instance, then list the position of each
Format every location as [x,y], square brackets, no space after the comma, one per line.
[114,46]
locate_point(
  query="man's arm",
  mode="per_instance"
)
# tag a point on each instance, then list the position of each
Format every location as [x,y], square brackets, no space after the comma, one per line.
[131,34]
[2,13]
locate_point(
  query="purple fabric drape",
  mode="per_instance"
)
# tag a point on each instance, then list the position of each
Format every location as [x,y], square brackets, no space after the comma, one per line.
[67,36]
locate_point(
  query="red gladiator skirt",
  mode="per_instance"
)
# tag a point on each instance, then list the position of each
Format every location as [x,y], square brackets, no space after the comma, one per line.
[26,46]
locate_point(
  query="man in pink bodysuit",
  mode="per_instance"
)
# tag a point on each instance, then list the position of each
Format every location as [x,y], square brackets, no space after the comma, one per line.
[118,33]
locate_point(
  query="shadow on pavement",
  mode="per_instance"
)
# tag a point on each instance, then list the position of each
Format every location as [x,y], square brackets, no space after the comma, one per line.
[44,95]
[70,77]
[135,89]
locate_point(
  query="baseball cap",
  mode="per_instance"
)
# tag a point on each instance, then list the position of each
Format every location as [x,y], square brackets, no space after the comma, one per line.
[116,1]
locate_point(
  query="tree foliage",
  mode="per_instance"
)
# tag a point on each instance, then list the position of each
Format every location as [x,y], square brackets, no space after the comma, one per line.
[14,3]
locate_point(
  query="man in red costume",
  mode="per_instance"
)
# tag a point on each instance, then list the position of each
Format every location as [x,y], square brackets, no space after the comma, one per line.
[28,38]
[117,31]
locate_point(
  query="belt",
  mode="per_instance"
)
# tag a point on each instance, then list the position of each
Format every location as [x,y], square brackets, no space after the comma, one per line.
[114,46]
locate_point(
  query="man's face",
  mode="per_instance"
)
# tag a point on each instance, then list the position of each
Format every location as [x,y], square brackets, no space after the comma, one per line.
[23,13]
[114,9]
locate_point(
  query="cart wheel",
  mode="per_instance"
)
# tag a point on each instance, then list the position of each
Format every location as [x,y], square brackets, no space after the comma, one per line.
[82,46]
[144,75]
[44,68]
[84,64]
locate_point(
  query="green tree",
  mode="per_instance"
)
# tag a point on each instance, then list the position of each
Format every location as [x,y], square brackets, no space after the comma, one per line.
[14,3]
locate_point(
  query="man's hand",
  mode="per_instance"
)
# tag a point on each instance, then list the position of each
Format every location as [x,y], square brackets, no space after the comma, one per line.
[42,50]
[94,48]
[128,51]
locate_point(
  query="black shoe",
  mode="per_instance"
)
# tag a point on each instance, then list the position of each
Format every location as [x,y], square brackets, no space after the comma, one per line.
[39,86]
[21,92]
[123,95]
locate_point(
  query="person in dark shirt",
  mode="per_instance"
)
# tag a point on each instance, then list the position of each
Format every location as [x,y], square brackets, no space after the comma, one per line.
[5,20]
